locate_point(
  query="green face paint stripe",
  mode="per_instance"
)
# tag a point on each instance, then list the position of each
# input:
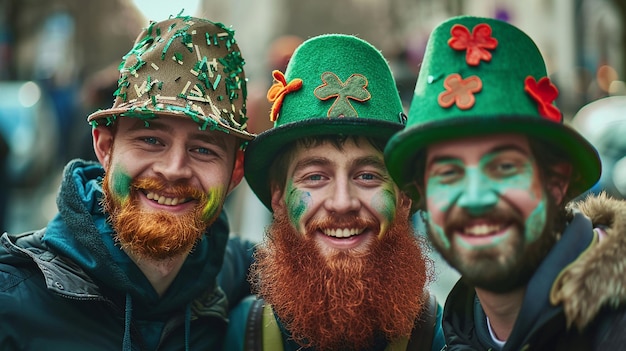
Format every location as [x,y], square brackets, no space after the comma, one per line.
[536,221]
[385,202]
[120,184]
[212,206]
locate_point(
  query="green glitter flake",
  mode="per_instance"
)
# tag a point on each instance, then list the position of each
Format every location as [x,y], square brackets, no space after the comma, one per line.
[216,82]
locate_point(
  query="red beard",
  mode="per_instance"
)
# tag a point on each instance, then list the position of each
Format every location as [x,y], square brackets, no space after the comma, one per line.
[344,300]
[155,235]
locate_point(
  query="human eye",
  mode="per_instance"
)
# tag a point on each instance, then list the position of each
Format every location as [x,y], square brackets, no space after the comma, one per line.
[310,178]
[506,165]
[150,140]
[369,177]
[446,173]
[204,151]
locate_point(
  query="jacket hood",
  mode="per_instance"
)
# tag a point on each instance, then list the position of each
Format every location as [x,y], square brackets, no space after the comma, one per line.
[80,231]
[597,278]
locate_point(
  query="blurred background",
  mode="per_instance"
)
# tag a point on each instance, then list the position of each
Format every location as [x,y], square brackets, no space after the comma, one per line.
[59,59]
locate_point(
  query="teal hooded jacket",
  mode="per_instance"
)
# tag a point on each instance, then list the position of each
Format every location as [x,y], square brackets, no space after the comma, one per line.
[69,287]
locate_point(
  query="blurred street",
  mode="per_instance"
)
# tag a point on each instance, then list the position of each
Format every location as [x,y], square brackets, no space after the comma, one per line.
[59,61]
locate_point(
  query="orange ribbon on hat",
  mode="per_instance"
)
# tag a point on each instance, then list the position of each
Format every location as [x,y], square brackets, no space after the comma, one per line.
[278,90]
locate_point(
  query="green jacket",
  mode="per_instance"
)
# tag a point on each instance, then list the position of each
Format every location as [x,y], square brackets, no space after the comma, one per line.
[68,287]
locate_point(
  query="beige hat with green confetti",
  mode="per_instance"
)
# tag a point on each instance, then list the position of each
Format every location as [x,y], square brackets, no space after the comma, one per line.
[183,67]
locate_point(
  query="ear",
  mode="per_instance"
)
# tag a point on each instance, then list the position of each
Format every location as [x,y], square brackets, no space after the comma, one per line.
[237,175]
[405,203]
[416,193]
[278,202]
[558,185]
[102,144]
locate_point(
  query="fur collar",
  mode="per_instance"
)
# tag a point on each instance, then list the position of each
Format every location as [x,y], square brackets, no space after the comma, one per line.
[598,277]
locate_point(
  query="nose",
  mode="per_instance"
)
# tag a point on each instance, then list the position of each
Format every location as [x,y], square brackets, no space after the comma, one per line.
[478,197]
[173,165]
[342,198]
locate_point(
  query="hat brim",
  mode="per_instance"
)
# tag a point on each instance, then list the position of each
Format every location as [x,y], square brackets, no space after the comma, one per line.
[139,111]
[403,148]
[261,152]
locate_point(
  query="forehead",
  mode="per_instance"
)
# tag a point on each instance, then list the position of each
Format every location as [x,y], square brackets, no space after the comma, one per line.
[328,151]
[471,147]
[176,127]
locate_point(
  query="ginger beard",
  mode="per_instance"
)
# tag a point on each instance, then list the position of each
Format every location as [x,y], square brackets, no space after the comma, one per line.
[343,301]
[158,235]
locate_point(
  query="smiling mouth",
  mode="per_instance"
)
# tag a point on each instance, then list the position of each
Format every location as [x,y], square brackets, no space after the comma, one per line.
[163,200]
[482,229]
[343,232]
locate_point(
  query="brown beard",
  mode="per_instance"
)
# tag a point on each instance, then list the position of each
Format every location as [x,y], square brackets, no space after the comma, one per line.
[343,300]
[521,262]
[154,235]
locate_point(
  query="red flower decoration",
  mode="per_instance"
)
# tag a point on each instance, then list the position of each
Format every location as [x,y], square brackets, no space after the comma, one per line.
[460,91]
[544,92]
[476,43]
[278,90]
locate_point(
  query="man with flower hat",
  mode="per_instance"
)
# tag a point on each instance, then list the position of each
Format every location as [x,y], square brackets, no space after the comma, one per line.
[487,157]
[340,267]
[131,261]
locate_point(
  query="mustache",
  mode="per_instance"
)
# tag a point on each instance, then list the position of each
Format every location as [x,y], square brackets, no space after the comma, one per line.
[460,218]
[343,221]
[180,189]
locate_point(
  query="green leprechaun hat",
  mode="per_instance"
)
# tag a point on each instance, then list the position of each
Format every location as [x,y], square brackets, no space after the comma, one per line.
[484,76]
[334,84]
[183,67]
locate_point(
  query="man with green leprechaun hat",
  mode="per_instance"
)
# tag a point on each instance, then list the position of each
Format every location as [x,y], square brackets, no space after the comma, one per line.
[131,260]
[340,267]
[487,157]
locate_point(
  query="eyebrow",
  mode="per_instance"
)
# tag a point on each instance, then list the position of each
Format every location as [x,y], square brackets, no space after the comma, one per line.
[497,149]
[311,161]
[206,136]
[373,161]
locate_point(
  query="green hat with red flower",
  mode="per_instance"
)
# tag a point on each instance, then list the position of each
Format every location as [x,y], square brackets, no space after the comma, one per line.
[334,84]
[484,76]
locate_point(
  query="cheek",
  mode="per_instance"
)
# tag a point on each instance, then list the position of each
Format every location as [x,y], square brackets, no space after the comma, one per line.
[119,183]
[297,203]
[214,203]
[536,222]
[439,199]
[525,194]
[384,202]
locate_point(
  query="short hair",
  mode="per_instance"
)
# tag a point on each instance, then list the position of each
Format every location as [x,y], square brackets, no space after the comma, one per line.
[280,164]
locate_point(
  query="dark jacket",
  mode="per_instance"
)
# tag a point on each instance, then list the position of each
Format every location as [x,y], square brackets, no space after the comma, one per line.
[69,287]
[576,300]
[245,332]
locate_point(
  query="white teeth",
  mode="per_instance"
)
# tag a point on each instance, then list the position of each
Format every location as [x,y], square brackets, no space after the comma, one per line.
[482,229]
[342,233]
[162,200]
